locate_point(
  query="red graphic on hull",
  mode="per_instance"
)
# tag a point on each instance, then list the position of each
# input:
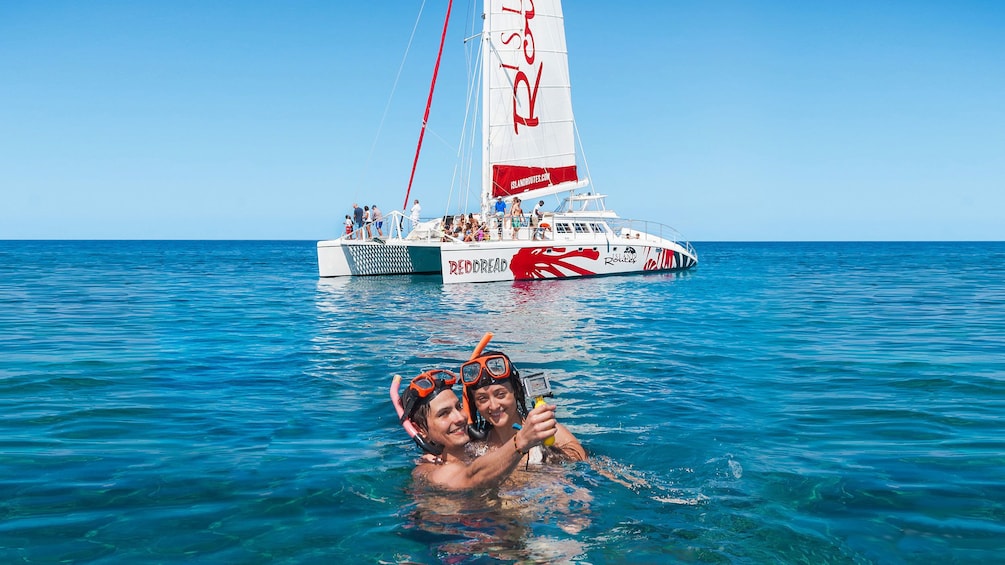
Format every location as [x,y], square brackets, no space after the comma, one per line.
[539,263]
[663,261]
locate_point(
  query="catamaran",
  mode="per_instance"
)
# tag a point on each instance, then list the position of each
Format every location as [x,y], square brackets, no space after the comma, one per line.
[528,145]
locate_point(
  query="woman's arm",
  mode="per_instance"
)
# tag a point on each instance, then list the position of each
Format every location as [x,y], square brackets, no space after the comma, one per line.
[567,445]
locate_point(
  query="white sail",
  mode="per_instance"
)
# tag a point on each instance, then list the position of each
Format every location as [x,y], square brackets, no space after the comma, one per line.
[529,130]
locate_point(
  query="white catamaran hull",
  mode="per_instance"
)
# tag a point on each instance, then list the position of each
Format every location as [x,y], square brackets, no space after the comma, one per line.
[493,261]
[343,258]
[533,260]
[569,247]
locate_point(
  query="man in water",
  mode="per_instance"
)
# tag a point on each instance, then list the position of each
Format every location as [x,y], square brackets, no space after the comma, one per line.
[442,431]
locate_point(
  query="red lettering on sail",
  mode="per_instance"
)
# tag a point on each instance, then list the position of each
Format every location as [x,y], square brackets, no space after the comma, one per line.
[524,95]
[530,120]
[528,41]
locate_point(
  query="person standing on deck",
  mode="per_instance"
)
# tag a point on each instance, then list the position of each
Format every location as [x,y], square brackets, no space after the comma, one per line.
[357,215]
[500,213]
[416,211]
[535,220]
[516,217]
[378,219]
[367,222]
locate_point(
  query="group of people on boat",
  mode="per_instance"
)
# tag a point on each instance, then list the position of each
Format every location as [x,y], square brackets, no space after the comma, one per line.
[363,221]
[475,228]
[368,222]
[478,439]
[464,228]
[516,218]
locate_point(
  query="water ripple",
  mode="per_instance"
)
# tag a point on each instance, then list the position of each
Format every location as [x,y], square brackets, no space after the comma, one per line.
[824,403]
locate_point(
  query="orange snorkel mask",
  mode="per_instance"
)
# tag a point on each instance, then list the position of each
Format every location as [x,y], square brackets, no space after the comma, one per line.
[421,390]
[493,365]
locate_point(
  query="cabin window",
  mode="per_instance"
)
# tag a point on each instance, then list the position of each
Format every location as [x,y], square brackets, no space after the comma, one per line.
[581,227]
[562,228]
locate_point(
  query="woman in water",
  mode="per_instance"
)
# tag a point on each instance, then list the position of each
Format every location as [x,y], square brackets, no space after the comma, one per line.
[495,398]
[432,414]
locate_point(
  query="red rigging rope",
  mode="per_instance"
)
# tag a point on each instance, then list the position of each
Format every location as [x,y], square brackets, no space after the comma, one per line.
[429,103]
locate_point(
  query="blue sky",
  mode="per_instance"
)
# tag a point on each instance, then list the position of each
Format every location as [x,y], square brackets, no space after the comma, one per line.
[732,121]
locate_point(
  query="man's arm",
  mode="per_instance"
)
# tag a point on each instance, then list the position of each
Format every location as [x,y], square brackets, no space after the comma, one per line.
[495,466]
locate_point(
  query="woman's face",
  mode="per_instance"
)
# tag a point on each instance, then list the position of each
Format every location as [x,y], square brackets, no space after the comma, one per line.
[497,404]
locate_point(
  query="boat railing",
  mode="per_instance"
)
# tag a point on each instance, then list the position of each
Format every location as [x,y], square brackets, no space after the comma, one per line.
[396,226]
[549,229]
[647,229]
[643,230]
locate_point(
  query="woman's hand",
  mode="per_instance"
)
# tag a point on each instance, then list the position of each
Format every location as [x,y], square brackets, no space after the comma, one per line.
[538,426]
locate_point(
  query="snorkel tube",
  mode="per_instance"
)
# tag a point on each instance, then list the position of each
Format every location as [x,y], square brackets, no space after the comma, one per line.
[481,345]
[413,432]
[475,434]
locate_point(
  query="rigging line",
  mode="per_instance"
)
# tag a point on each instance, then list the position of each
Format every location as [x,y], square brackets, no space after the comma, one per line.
[457,175]
[387,107]
[582,152]
[463,167]
[474,172]
[429,103]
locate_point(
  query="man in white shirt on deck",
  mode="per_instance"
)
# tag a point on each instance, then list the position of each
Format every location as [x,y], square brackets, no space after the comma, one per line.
[535,220]
[416,211]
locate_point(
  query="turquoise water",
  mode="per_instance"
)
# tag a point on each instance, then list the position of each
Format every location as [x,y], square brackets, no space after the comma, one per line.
[216,402]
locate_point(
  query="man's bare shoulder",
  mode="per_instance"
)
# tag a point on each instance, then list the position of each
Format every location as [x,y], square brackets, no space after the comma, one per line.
[445,475]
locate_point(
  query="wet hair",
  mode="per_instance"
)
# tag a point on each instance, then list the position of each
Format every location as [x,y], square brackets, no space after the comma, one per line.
[479,427]
[420,417]
[416,409]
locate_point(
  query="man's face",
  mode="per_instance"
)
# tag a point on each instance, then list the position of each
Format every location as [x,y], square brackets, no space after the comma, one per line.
[447,423]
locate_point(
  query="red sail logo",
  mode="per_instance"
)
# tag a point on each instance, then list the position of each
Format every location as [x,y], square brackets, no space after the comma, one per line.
[524,93]
[525,70]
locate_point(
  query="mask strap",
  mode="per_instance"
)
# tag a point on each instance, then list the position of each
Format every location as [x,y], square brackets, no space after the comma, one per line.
[413,432]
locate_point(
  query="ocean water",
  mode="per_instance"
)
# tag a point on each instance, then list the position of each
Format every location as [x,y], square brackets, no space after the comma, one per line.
[166,402]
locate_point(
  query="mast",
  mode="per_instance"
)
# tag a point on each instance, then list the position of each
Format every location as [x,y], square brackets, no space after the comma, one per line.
[486,96]
[429,103]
